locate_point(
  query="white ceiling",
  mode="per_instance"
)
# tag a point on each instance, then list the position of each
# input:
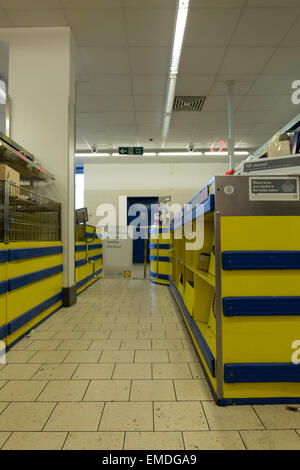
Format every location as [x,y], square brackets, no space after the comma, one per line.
[122,55]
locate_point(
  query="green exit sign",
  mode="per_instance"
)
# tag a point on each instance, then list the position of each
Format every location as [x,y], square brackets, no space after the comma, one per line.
[131,150]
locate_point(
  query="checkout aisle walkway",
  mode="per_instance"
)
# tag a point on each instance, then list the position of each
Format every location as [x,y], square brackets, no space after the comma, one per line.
[118,371]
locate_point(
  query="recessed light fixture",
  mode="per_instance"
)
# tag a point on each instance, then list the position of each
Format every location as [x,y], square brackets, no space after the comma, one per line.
[180,154]
[225,153]
[92,154]
[180,24]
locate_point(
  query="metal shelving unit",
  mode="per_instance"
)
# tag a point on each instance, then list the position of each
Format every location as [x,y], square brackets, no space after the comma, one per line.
[21,160]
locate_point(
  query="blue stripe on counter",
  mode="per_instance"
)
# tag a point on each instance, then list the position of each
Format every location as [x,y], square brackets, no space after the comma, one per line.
[154,246]
[95,247]
[94,258]
[3,331]
[252,306]
[3,287]
[260,260]
[159,276]
[21,320]
[159,258]
[23,253]
[80,262]
[80,247]
[26,279]
[261,372]
[3,256]
[87,279]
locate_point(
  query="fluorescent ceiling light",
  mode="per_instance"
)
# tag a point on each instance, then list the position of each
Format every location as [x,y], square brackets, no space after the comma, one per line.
[180,154]
[146,154]
[2,92]
[94,154]
[225,153]
[180,24]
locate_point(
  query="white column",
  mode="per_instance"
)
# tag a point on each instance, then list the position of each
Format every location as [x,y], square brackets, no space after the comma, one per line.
[42,94]
[231,143]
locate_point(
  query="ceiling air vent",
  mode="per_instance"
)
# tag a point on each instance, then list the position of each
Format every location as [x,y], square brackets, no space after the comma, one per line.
[189,103]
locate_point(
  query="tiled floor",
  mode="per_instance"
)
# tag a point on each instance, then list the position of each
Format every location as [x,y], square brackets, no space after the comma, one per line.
[118,371]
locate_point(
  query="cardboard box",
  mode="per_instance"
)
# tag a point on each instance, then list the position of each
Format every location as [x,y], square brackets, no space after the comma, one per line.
[12,176]
[279,149]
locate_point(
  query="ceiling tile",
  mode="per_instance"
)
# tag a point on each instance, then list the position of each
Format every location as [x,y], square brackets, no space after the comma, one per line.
[239,89]
[246,59]
[202,120]
[111,84]
[253,141]
[148,118]
[293,36]
[258,103]
[90,121]
[285,60]
[4,19]
[149,84]
[265,128]
[91,3]
[249,117]
[150,3]
[115,103]
[149,59]
[201,59]
[238,77]
[87,36]
[97,27]
[263,27]
[194,84]
[83,88]
[268,84]
[220,103]
[150,28]
[210,27]
[217,3]
[30,4]
[87,104]
[273,3]
[37,18]
[149,103]
[113,118]
[110,60]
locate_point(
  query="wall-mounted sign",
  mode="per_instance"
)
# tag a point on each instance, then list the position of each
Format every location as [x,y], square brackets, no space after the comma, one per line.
[274,188]
[131,150]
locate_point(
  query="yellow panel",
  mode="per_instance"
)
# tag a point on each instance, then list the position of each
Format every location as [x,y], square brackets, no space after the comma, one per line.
[11,338]
[253,339]
[25,298]
[189,297]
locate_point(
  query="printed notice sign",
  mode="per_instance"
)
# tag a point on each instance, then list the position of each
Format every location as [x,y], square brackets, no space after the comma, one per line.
[274,188]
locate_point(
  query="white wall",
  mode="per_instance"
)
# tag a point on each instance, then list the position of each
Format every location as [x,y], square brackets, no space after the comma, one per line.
[104,183]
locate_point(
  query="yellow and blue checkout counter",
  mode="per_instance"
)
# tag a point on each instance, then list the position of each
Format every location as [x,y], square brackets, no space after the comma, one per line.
[30,269]
[239,294]
[88,257]
[159,254]
[30,286]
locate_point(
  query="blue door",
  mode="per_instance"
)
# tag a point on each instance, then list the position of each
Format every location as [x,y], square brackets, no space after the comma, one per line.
[140,227]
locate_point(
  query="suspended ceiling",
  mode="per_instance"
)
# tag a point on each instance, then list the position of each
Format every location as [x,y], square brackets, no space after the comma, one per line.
[122,56]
